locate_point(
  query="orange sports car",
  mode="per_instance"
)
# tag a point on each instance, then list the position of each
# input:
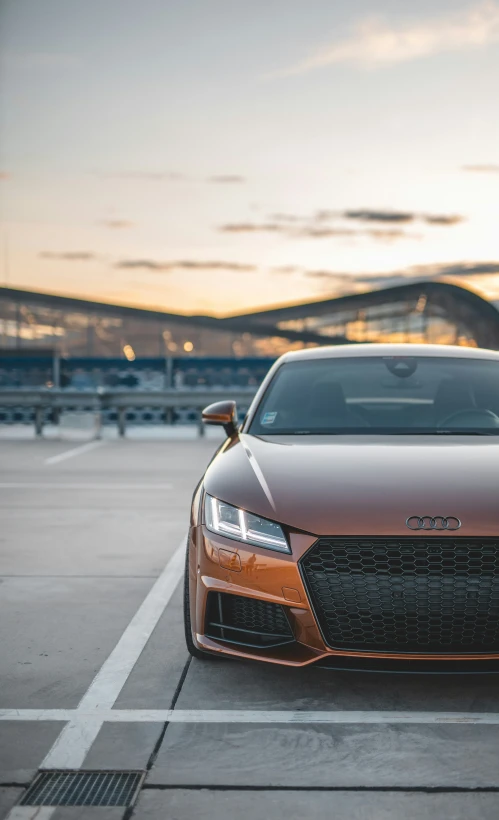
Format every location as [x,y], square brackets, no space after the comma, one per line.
[352,519]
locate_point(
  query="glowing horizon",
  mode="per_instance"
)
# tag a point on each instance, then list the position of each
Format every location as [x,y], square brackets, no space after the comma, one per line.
[170,182]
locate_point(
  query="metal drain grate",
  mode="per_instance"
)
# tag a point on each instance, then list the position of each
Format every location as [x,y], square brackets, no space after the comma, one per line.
[80,788]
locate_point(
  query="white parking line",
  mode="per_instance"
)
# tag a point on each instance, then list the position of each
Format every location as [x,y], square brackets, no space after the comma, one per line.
[70,748]
[84,723]
[82,717]
[291,716]
[31,813]
[75,451]
[111,678]
[17,485]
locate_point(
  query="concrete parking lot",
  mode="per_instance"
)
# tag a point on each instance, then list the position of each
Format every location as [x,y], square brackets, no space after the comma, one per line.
[94,673]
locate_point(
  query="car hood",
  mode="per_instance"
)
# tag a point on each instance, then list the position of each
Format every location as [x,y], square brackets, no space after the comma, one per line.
[364,485]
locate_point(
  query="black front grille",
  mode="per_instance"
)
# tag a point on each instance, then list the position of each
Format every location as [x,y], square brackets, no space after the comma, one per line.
[246,621]
[405,594]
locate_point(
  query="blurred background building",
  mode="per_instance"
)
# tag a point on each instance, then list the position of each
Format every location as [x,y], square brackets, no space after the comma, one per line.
[427,312]
[49,341]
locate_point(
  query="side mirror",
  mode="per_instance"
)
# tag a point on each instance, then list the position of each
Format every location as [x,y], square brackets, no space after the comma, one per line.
[223,413]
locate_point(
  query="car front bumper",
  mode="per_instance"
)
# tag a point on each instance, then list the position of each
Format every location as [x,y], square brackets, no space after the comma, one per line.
[221,565]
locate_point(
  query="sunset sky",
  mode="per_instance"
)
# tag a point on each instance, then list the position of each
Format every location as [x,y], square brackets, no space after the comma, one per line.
[215,156]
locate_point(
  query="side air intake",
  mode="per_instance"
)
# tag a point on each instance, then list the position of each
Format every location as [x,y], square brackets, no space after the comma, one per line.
[246,621]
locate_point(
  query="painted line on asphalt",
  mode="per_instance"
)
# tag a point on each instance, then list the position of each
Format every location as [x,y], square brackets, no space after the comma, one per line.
[84,723]
[111,678]
[75,740]
[17,485]
[82,717]
[75,451]
[293,716]
[31,813]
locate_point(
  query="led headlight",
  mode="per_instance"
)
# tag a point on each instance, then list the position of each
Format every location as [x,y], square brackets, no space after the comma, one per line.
[243,526]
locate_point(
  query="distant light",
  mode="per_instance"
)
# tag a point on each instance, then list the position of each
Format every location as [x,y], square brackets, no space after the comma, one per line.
[172,346]
[188,346]
[421,303]
[129,353]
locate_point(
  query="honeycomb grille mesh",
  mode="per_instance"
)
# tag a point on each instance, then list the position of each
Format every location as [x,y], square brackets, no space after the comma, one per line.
[422,594]
[248,613]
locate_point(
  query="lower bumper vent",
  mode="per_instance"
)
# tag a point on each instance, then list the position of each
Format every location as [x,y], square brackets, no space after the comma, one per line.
[83,788]
[246,621]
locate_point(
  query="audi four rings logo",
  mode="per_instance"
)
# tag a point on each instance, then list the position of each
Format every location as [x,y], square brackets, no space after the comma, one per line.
[428,522]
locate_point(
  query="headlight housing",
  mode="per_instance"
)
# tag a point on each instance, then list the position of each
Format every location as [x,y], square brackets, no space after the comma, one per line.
[243,526]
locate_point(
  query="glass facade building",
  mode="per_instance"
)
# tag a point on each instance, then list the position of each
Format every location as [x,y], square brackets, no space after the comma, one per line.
[428,312]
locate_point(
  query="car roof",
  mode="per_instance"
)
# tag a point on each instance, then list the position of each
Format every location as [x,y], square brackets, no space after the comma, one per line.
[355,350]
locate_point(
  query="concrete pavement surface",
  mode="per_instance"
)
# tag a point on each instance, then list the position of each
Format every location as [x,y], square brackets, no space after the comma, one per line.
[92,661]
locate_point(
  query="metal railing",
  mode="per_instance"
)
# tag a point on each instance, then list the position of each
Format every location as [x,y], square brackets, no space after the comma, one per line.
[41,400]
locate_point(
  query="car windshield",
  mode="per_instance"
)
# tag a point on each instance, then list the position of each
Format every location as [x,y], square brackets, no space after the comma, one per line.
[381,394]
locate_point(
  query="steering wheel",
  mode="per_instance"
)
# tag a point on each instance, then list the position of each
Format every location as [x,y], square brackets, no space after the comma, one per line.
[471,417]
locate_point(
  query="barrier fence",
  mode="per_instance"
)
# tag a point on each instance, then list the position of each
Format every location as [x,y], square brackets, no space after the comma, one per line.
[173,406]
[42,387]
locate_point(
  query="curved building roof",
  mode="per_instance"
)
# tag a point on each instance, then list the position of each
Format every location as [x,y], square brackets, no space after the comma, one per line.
[322,321]
[461,306]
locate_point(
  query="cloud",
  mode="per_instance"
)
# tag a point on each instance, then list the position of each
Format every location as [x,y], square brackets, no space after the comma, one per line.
[326,224]
[375,41]
[315,232]
[68,256]
[379,216]
[116,224]
[337,283]
[173,176]
[390,235]
[442,219]
[354,281]
[285,269]
[331,275]
[148,176]
[482,169]
[4,175]
[456,269]
[226,179]
[311,230]
[251,227]
[400,217]
[186,264]
[295,229]
[289,217]
[378,235]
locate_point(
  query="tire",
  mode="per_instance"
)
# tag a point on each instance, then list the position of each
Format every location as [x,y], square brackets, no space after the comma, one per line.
[192,648]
